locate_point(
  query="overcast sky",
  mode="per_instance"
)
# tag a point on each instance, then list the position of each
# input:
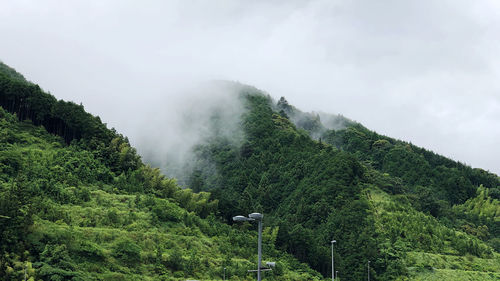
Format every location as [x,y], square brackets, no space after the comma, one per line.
[421,71]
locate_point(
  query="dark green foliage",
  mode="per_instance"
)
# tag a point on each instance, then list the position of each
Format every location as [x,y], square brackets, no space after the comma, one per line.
[68,120]
[57,256]
[307,189]
[127,251]
[450,181]
[79,204]
[175,260]
[15,214]
[315,190]
[91,251]
[11,73]
[10,163]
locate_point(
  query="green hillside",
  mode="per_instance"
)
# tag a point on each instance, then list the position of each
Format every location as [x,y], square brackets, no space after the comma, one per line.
[77,203]
[318,190]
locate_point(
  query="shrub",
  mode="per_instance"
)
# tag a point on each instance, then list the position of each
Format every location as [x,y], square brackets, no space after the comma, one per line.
[126,250]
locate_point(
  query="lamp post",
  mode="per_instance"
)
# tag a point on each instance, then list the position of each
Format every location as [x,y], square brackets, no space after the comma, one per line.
[333,264]
[224,274]
[255,217]
[337,274]
[368,266]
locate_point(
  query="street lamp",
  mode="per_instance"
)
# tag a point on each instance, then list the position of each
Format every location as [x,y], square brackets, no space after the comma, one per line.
[255,217]
[224,273]
[368,266]
[333,265]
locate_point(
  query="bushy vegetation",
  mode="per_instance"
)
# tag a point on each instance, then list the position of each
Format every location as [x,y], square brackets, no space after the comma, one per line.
[319,190]
[80,205]
[417,168]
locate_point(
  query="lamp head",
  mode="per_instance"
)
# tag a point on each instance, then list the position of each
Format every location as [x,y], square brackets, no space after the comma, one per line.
[240,218]
[256,216]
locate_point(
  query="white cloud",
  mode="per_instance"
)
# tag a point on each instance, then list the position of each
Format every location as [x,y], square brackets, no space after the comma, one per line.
[422,71]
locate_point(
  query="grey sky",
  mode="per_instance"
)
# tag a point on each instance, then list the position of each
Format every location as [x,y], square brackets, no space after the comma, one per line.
[421,71]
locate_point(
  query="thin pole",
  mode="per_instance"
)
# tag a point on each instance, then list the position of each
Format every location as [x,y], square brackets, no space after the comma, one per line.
[260,251]
[333,262]
[368,266]
[224,273]
[333,266]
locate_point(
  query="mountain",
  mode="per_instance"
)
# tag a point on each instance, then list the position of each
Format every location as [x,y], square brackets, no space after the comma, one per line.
[78,203]
[410,212]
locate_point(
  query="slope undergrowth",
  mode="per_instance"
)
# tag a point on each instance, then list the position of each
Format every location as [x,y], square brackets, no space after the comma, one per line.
[79,206]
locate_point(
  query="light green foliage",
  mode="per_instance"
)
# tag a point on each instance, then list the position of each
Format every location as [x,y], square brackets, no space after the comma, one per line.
[67,216]
[425,266]
[426,247]
[77,202]
[482,205]
[314,191]
[308,190]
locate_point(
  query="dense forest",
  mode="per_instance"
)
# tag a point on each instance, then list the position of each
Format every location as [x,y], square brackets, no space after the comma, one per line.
[319,184]
[78,203]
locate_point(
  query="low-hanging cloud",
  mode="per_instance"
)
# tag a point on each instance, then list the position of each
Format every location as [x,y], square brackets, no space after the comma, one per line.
[422,71]
[193,116]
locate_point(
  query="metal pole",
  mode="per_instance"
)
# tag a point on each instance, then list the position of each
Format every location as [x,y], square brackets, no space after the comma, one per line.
[333,267]
[260,250]
[333,262]
[224,274]
[337,275]
[368,266]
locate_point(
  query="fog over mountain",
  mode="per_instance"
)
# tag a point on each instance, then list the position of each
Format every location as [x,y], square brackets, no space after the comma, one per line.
[199,114]
[422,71]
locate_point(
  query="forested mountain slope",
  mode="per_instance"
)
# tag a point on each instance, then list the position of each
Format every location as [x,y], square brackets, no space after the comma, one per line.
[319,190]
[434,184]
[77,203]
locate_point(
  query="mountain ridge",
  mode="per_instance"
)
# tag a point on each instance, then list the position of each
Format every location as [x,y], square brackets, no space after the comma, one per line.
[79,204]
[414,214]
[298,181]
